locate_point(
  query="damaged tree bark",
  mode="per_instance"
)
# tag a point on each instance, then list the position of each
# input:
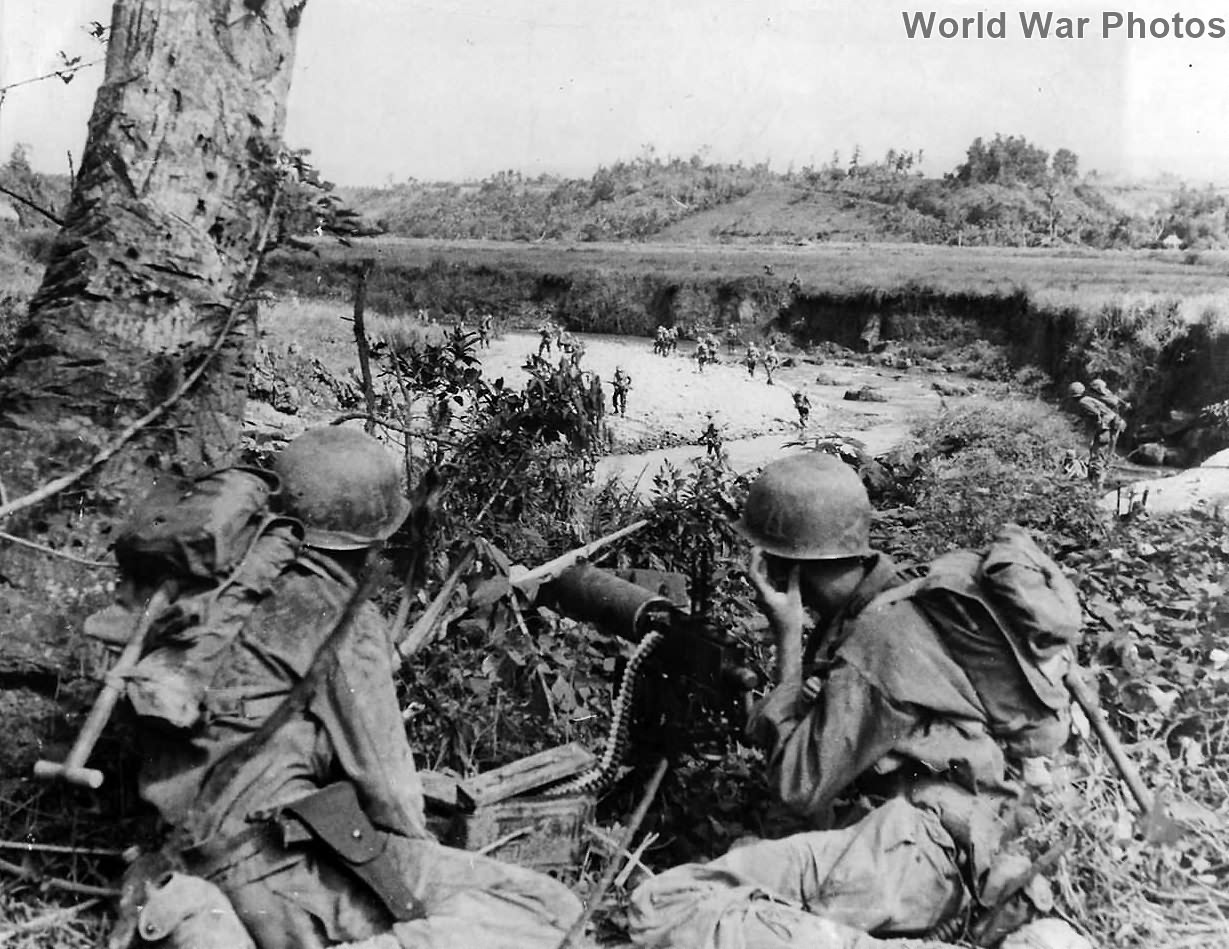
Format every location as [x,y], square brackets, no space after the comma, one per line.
[170,207]
[152,270]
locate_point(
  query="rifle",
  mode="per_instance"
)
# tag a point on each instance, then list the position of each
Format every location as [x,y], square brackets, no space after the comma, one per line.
[527,581]
[1085,698]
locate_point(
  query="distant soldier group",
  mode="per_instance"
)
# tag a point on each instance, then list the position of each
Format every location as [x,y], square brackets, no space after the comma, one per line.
[1102,413]
[770,358]
[666,341]
[707,351]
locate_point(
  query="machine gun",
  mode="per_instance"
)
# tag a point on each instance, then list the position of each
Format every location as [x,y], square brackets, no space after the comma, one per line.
[685,682]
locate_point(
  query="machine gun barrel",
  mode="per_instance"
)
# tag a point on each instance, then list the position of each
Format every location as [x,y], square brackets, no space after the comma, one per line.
[592,595]
[630,609]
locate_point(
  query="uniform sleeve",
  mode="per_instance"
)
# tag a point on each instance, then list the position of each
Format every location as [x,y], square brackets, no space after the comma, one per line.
[358,708]
[816,751]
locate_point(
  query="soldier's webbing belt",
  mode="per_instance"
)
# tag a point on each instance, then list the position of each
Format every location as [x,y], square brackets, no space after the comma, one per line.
[333,817]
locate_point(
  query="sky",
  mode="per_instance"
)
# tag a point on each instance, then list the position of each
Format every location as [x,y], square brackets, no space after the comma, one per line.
[387,90]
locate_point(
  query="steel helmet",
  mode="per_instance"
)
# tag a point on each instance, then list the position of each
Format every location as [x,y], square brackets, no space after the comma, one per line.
[810,506]
[1098,385]
[343,485]
[1075,390]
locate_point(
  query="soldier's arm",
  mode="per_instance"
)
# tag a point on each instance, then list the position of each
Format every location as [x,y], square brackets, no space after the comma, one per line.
[818,749]
[359,710]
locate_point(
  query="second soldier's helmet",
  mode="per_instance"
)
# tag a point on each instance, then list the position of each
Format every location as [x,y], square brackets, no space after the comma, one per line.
[1098,385]
[343,485]
[1076,390]
[810,506]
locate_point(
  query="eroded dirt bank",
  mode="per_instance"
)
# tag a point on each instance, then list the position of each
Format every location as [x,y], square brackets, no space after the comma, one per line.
[1167,348]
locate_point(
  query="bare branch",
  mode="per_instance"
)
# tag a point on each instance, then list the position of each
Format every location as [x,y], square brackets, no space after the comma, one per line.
[32,206]
[43,548]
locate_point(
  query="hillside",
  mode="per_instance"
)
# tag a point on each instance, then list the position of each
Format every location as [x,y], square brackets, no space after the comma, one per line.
[691,201]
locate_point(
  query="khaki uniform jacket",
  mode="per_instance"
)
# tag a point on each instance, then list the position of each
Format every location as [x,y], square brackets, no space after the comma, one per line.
[352,728]
[892,696]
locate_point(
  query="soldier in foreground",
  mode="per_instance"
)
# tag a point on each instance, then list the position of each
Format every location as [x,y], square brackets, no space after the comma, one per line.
[876,702]
[318,838]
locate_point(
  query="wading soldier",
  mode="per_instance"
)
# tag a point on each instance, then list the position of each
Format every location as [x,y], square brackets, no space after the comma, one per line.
[1101,422]
[803,406]
[881,703]
[622,385]
[772,359]
[710,438]
[751,358]
[1116,404]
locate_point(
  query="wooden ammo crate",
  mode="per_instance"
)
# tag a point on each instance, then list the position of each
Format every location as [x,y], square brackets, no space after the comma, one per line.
[500,810]
[544,833]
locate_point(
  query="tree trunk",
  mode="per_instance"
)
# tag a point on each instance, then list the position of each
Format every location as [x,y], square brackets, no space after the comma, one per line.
[168,214]
[167,221]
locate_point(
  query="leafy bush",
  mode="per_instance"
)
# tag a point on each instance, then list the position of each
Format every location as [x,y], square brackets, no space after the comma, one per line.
[992,463]
[1023,432]
[690,512]
[1155,596]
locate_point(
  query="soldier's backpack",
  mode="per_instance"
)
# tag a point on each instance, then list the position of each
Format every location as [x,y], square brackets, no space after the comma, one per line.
[1011,619]
[218,541]
[196,530]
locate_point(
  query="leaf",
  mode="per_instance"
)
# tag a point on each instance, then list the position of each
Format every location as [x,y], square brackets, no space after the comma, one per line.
[1192,812]
[1104,610]
[478,686]
[1164,699]
[564,694]
[489,591]
[1158,827]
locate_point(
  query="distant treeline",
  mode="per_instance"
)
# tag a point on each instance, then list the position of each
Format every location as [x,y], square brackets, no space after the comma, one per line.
[1008,192]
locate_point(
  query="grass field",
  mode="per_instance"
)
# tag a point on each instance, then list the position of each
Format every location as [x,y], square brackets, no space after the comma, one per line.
[1059,277]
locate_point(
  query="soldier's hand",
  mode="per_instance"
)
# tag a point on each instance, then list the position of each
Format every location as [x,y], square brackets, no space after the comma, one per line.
[783,607]
[811,688]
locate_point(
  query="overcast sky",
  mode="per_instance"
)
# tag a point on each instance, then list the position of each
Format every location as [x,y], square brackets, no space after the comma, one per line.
[385,90]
